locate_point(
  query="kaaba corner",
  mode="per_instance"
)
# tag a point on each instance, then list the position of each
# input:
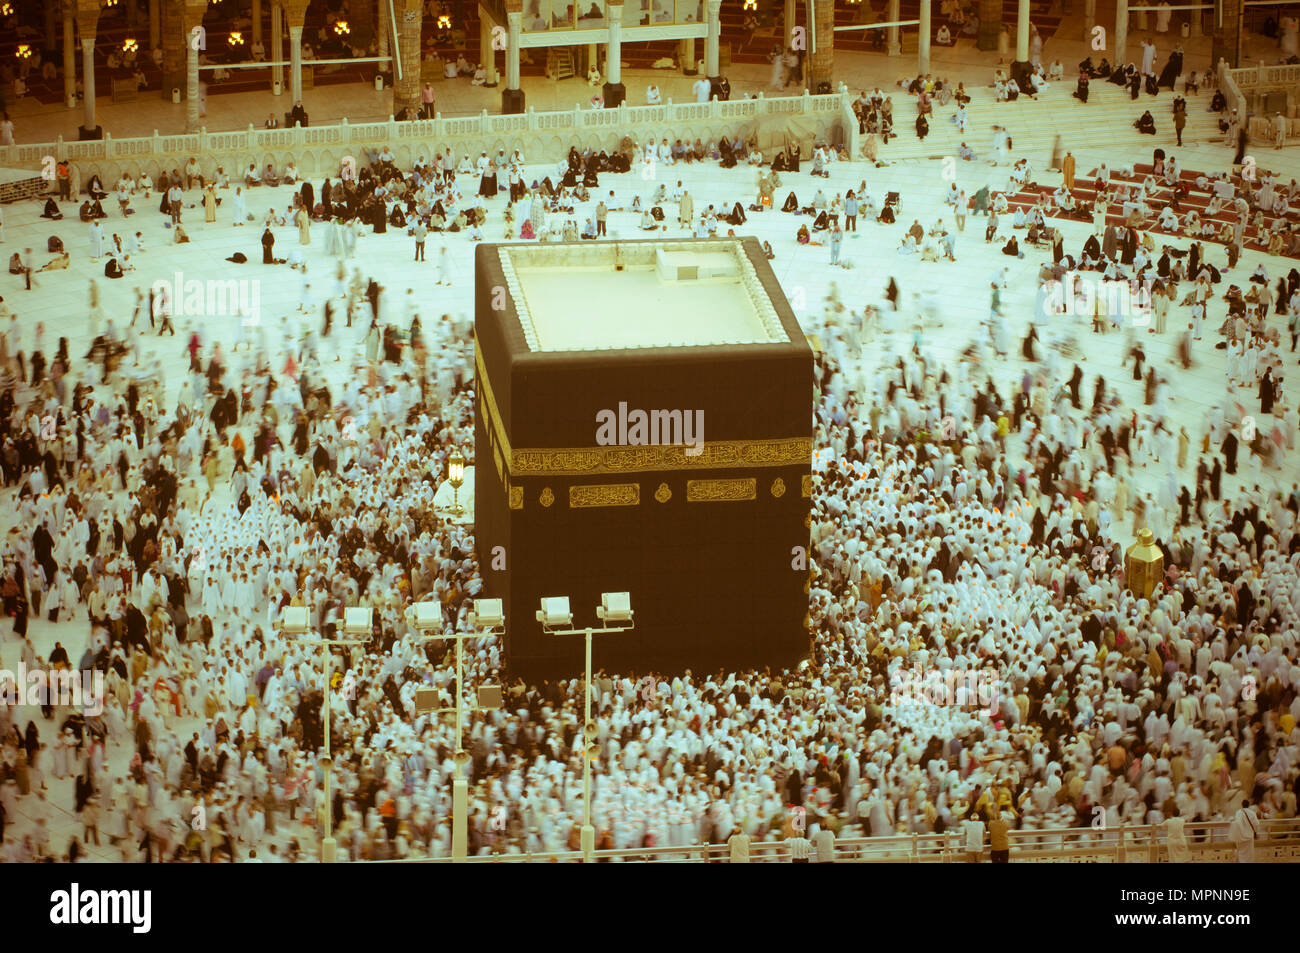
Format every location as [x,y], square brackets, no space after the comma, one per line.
[643,424]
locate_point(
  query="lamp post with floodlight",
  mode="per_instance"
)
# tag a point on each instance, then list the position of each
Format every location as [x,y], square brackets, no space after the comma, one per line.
[615,607]
[357,621]
[485,619]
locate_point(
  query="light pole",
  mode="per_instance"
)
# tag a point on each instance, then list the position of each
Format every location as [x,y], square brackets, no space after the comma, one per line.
[357,620]
[486,619]
[614,607]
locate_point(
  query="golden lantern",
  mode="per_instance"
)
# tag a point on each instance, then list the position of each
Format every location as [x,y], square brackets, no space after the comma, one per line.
[751,4]
[6,9]
[341,28]
[456,477]
[444,22]
[108,4]
[129,45]
[236,38]
[24,51]
[1144,565]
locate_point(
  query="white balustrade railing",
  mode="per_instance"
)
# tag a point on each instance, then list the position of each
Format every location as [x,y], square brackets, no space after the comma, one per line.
[1231,90]
[1207,842]
[541,136]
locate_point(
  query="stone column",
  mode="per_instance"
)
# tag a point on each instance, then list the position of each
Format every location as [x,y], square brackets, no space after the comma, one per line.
[88,81]
[69,58]
[821,62]
[686,56]
[132,14]
[1226,44]
[1120,42]
[87,25]
[484,45]
[191,89]
[614,92]
[295,64]
[923,39]
[1089,21]
[1194,18]
[194,10]
[406,90]
[383,33]
[512,97]
[295,12]
[990,12]
[257,24]
[155,26]
[895,48]
[276,52]
[712,11]
[175,36]
[791,12]
[1022,33]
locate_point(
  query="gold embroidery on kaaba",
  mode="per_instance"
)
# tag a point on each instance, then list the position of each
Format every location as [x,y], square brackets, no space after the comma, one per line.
[516,497]
[806,484]
[605,494]
[721,491]
[492,414]
[581,461]
[588,461]
[547,497]
[663,494]
[778,488]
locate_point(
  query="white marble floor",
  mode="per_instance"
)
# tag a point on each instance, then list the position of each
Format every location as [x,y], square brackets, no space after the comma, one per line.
[59,300]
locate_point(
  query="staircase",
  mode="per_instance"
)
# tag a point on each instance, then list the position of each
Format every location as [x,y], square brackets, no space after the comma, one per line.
[559,63]
[1106,118]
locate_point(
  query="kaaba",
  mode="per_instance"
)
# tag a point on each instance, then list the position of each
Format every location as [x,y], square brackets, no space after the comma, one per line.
[643,425]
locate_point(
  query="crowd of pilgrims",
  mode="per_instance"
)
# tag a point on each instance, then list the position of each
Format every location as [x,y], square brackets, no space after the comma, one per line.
[960,523]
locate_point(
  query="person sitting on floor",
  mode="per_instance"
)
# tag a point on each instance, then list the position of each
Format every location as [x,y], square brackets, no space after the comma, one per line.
[51,210]
[57,263]
[1145,124]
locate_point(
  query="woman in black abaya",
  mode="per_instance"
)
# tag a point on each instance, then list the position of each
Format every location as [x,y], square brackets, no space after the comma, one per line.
[1173,69]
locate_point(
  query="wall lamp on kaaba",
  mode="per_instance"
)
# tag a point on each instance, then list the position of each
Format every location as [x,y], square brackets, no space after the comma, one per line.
[456,477]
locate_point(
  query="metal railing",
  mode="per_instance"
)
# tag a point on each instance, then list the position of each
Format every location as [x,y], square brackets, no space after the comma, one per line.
[1207,842]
